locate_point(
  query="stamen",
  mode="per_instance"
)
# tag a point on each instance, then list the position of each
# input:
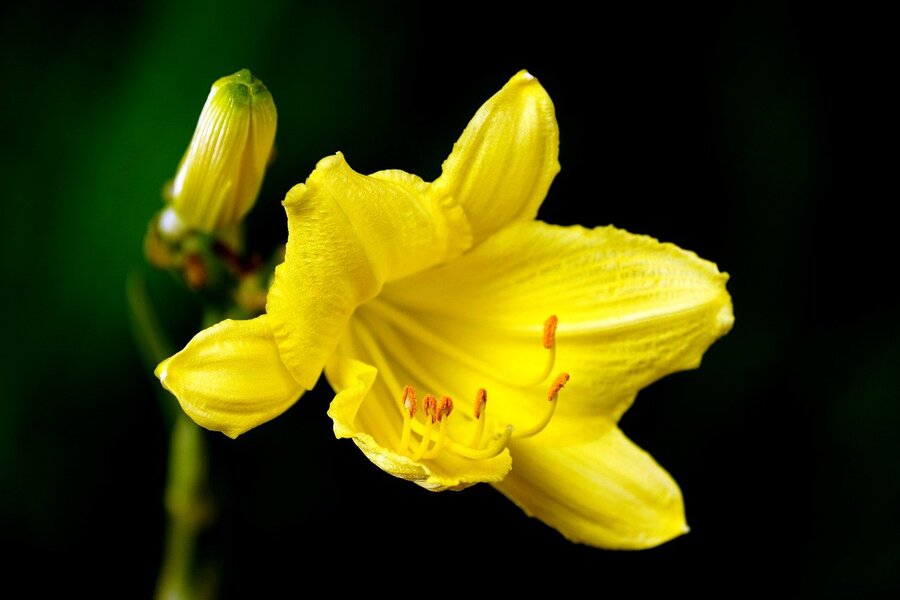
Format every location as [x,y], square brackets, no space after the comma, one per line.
[558,384]
[548,340]
[419,440]
[410,404]
[444,408]
[480,407]
[550,331]
[494,448]
[480,402]
[552,395]
[430,405]
[409,400]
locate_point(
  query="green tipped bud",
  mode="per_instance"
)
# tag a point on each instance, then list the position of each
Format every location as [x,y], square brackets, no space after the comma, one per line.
[221,172]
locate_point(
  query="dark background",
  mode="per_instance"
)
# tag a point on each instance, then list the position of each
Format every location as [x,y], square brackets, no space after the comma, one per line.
[758,137]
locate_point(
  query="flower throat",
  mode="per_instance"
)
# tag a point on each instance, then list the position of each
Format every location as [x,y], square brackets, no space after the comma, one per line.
[419,440]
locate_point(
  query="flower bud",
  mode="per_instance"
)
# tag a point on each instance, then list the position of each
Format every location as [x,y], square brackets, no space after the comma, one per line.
[221,172]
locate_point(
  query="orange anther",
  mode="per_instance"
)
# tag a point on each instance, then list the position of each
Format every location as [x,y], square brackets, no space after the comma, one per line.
[430,407]
[444,408]
[558,384]
[550,331]
[480,401]
[409,400]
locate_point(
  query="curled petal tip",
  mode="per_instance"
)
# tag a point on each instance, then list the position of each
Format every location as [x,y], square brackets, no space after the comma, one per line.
[331,161]
[525,75]
[161,371]
[501,167]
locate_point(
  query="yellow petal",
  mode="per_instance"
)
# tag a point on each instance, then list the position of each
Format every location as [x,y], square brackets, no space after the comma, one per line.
[367,410]
[229,377]
[607,493]
[630,310]
[221,172]
[347,235]
[503,164]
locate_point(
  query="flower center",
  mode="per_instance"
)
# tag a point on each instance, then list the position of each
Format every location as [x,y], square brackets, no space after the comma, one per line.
[419,440]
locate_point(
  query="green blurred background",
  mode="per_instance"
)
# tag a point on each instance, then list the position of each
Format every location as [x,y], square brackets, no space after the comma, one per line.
[755,136]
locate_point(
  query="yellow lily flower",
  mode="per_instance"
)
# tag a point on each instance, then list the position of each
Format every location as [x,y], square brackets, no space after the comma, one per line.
[448,320]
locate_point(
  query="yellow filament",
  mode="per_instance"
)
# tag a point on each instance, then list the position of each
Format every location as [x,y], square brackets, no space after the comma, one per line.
[439,445]
[552,396]
[479,432]
[542,375]
[407,429]
[423,444]
[490,451]
[539,426]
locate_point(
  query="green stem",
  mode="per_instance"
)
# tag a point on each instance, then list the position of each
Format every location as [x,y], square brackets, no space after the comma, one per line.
[188,503]
[189,507]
